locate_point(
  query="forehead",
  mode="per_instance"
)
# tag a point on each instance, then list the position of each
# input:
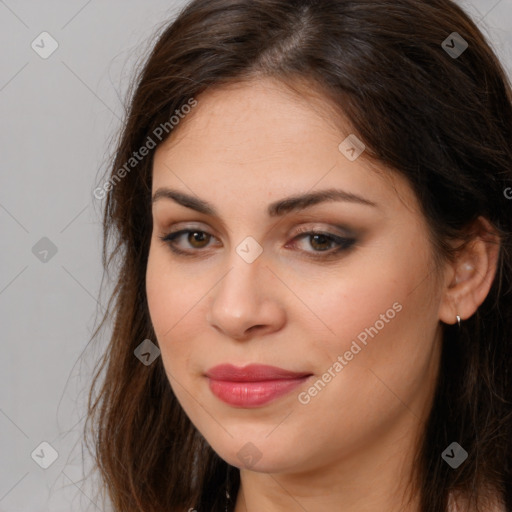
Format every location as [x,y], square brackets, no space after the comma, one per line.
[258,120]
[258,138]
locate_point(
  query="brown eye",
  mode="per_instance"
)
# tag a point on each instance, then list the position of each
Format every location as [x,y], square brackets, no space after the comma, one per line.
[318,242]
[197,238]
[187,241]
[321,242]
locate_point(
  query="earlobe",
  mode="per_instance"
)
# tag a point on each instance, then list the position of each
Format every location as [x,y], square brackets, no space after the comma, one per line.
[473,274]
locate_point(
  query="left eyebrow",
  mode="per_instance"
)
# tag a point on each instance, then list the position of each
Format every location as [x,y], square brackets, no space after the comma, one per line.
[300,202]
[278,208]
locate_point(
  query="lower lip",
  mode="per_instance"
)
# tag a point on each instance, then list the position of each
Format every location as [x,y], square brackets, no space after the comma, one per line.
[253,394]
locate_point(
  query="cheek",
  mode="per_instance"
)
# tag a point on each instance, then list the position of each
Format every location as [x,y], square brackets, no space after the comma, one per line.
[354,297]
[169,291]
[167,295]
[175,300]
[379,314]
[385,327]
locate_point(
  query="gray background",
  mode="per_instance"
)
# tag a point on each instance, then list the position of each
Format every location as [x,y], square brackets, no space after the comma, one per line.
[58,117]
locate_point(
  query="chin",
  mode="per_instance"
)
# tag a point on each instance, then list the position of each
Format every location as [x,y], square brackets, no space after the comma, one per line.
[262,455]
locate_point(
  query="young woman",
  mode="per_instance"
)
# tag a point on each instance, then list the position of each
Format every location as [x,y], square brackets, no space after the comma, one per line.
[311,204]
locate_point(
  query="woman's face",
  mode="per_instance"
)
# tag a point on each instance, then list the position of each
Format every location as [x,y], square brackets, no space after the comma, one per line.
[355,317]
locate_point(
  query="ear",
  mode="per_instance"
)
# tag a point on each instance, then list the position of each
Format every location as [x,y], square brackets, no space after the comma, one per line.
[470,276]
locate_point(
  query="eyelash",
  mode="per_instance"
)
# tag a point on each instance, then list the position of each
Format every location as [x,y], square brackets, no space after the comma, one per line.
[344,244]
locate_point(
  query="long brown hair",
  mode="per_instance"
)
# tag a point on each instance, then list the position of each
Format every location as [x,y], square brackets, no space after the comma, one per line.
[443,121]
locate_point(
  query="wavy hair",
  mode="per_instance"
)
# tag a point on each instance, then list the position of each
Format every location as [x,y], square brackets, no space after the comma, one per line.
[443,122]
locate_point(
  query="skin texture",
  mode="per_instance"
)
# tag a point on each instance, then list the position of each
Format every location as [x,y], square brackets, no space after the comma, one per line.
[351,446]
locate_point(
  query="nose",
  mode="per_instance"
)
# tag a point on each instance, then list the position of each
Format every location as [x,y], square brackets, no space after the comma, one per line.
[247,301]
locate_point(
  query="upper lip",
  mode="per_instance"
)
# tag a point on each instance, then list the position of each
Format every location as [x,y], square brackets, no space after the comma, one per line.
[251,373]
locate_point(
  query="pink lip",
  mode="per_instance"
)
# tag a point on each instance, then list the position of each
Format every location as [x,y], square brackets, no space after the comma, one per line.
[252,385]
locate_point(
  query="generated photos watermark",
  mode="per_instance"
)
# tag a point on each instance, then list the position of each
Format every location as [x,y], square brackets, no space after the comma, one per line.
[342,360]
[159,133]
